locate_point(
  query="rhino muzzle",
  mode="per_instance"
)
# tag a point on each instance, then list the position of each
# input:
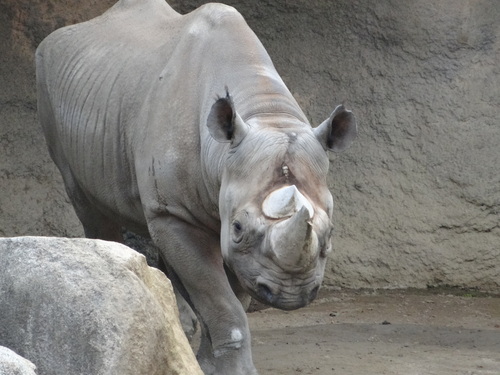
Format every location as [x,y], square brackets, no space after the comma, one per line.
[286,298]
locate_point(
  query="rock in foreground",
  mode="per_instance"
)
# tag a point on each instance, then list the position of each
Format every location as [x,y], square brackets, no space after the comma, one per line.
[13,364]
[78,306]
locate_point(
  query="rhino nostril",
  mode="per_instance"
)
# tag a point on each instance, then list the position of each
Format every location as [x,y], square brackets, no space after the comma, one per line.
[265,292]
[313,293]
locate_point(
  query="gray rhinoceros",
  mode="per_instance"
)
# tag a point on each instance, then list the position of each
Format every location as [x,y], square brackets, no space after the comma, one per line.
[231,188]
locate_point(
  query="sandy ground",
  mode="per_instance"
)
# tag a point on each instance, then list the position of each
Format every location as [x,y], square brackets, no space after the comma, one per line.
[383,332]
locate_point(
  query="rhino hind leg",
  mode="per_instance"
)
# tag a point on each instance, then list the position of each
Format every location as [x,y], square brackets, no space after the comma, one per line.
[95,224]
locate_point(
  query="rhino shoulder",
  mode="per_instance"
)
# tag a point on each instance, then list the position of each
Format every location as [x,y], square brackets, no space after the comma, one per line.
[216,15]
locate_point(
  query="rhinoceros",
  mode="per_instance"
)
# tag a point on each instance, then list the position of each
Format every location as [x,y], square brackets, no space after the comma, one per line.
[179,128]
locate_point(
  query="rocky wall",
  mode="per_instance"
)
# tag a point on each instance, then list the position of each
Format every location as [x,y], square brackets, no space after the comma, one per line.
[417,196]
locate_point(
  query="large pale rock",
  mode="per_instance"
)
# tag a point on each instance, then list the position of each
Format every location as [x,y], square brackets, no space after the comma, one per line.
[13,364]
[89,307]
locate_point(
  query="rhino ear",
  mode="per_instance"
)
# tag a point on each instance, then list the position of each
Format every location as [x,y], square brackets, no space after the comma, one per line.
[338,131]
[224,123]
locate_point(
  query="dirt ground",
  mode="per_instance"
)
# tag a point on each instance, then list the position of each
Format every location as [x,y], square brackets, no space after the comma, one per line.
[381,332]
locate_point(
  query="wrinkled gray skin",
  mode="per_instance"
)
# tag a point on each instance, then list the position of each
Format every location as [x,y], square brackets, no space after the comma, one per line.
[231,188]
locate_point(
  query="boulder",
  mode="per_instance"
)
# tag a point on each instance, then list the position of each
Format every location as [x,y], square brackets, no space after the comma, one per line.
[80,306]
[13,364]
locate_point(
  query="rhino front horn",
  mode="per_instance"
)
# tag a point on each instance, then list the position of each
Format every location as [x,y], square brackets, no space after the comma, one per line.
[293,240]
[285,202]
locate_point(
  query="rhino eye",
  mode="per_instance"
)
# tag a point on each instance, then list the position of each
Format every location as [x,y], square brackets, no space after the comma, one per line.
[237,231]
[326,249]
[237,226]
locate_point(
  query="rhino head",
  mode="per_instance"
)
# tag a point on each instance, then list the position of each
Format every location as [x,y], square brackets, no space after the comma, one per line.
[274,203]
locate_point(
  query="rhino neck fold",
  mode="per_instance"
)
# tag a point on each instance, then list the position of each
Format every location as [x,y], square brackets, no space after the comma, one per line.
[267,104]
[262,91]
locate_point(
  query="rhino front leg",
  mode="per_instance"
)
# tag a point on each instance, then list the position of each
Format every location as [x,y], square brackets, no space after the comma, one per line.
[194,255]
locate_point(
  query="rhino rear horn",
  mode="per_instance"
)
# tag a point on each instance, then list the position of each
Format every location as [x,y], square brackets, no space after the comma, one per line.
[224,123]
[338,131]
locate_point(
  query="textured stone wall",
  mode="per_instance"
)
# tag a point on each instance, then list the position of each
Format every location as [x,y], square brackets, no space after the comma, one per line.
[417,196]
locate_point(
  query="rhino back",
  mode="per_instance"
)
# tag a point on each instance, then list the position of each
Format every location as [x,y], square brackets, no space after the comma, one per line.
[128,94]
[92,81]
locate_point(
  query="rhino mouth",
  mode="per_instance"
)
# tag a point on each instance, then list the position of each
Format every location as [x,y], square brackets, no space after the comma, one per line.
[282,300]
[285,295]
